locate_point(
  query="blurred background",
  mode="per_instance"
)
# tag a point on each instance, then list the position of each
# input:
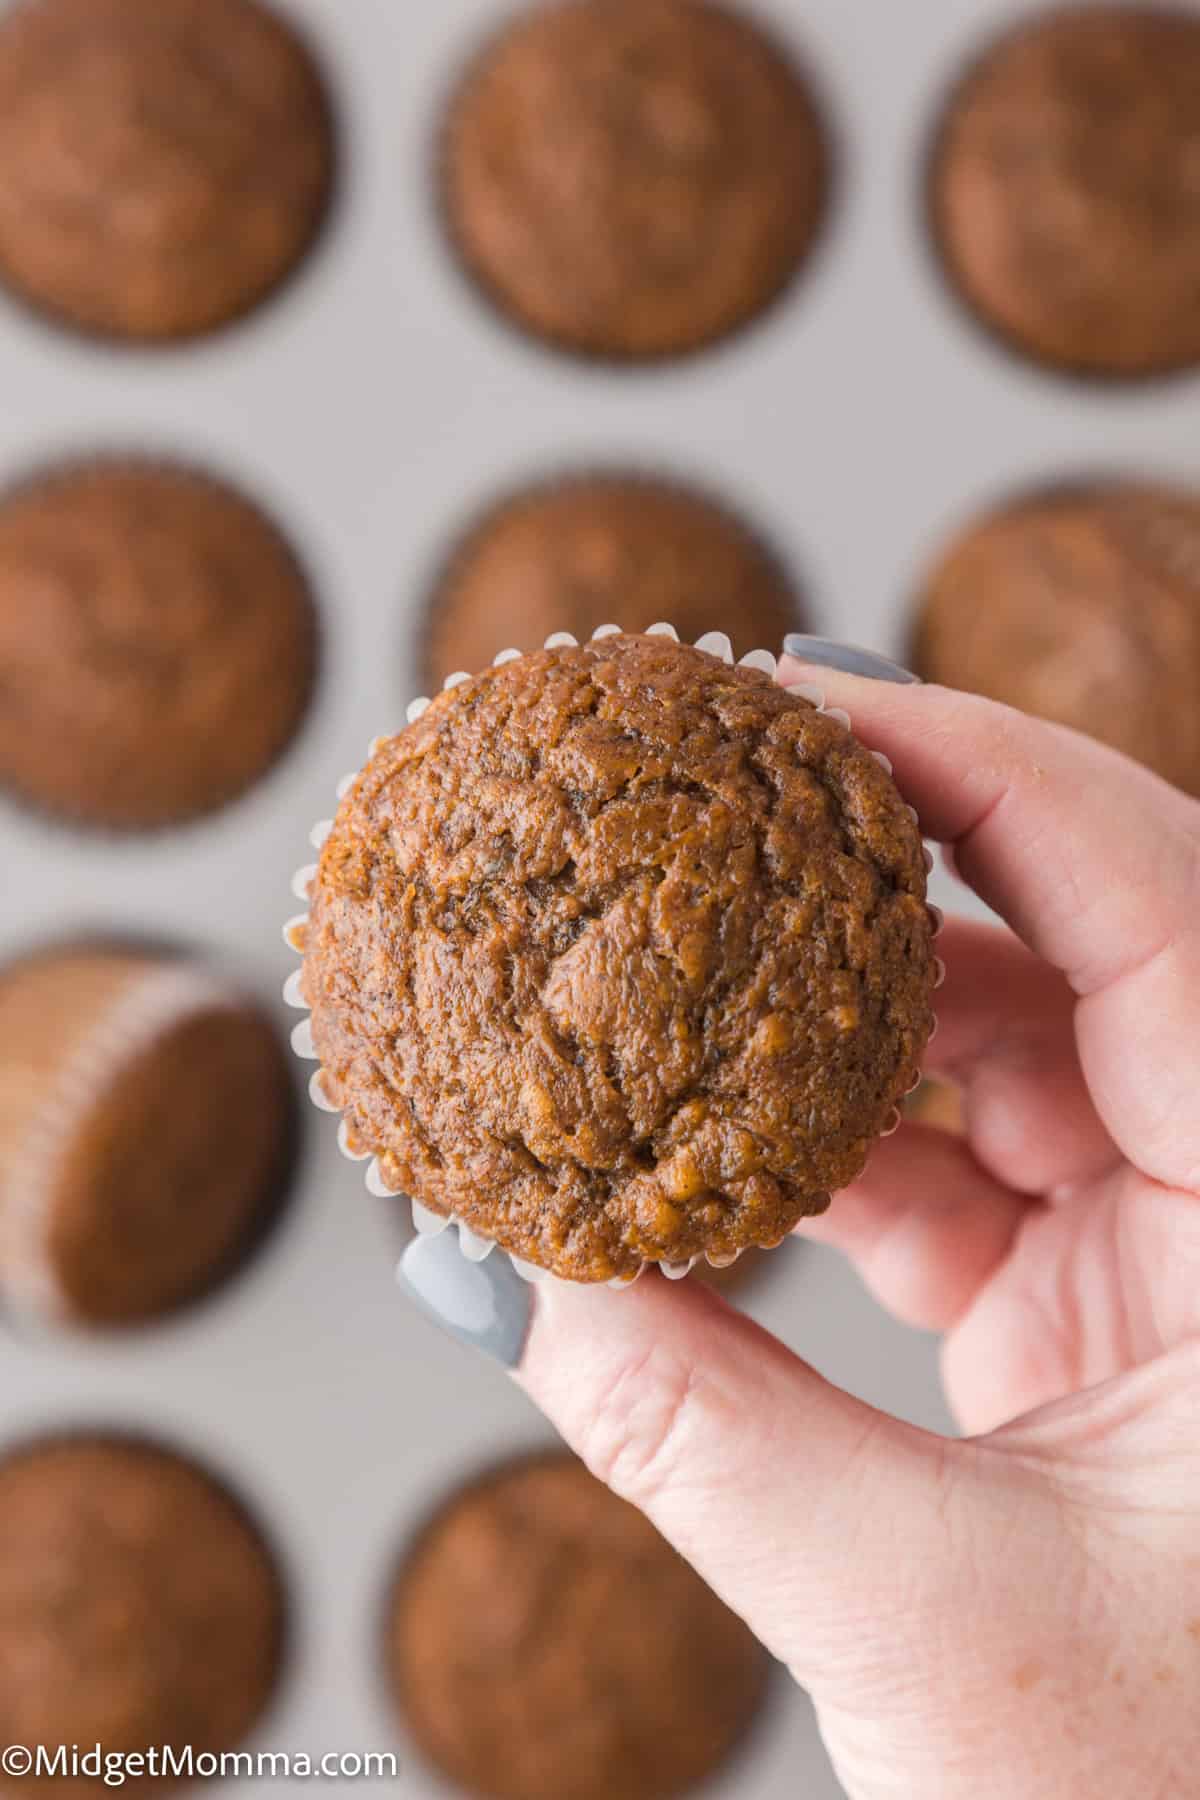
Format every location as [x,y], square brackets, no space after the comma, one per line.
[268,419]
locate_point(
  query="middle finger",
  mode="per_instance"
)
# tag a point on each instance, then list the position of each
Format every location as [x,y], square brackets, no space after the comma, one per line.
[1006,1036]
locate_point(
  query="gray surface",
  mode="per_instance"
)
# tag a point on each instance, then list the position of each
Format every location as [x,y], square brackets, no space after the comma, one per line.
[375,406]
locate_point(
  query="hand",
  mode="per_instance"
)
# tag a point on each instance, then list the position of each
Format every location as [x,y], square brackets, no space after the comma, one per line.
[1015,1616]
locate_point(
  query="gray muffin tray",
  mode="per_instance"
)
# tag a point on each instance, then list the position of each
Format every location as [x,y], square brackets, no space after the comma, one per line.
[374,407]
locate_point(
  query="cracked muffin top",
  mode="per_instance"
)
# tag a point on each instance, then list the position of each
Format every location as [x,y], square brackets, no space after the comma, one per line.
[620,954]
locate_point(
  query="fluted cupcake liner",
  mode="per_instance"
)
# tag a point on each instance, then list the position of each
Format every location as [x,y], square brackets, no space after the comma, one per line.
[626,479]
[428,1223]
[143,1007]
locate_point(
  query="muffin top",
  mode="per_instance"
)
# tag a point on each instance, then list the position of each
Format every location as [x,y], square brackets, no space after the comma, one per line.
[633,179]
[157,643]
[163,163]
[145,1128]
[604,549]
[138,1604]
[1064,189]
[545,1643]
[1081,606]
[620,954]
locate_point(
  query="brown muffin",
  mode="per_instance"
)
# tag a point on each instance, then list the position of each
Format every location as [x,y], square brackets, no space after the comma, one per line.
[1064,189]
[139,1605]
[157,644]
[1081,606]
[603,549]
[144,1133]
[937,1103]
[164,164]
[545,1643]
[620,954]
[633,179]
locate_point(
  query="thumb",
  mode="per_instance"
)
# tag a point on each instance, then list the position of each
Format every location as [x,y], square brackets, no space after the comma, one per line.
[917,1587]
[822,1522]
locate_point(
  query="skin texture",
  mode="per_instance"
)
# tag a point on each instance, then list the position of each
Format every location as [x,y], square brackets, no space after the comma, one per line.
[1017,1613]
[633,179]
[620,955]
[138,1605]
[158,644]
[170,1154]
[1064,189]
[164,164]
[1083,607]
[603,549]
[544,1643]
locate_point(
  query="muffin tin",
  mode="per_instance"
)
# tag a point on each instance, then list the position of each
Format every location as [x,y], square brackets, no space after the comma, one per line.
[373,406]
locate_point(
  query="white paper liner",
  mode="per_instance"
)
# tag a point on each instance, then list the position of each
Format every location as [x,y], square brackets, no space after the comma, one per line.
[426,1222]
[155,1002]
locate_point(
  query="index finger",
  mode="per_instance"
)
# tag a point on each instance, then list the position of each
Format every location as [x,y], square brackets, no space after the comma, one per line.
[1094,862]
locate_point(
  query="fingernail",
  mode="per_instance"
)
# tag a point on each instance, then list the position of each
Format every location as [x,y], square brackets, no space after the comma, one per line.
[485,1304]
[847,658]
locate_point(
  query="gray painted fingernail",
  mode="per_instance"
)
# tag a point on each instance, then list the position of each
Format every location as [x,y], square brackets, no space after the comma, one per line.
[848,658]
[485,1304]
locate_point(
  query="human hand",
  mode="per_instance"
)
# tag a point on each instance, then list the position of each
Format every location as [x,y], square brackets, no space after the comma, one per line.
[1015,1616]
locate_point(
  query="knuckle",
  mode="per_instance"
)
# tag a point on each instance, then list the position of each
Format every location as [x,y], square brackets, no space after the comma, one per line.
[644,1424]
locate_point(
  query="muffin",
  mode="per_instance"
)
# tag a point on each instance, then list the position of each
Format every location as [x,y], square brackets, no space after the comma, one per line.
[145,1126]
[1083,606]
[634,179]
[1064,189]
[619,955]
[139,1606]
[164,164]
[543,1642]
[157,644]
[603,549]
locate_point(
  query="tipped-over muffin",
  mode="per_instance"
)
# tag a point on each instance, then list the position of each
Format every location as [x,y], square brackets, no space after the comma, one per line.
[145,1133]
[620,954]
